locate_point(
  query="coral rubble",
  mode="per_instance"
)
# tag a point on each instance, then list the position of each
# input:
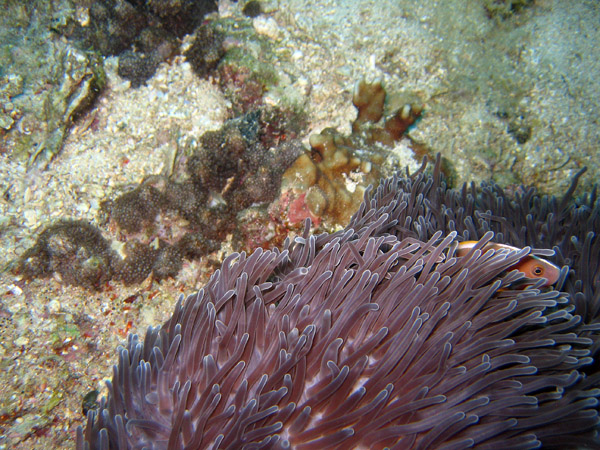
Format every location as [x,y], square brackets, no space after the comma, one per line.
[44,87]
[504,9]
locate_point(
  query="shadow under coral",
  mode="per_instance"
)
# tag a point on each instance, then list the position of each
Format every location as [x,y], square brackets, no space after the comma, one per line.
[377,336]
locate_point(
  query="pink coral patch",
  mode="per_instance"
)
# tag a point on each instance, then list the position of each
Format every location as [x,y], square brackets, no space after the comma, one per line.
[298,211]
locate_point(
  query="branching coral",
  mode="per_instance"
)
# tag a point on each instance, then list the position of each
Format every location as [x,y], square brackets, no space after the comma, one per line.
[366,338]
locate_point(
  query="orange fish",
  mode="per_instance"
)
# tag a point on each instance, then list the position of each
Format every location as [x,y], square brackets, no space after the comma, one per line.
[532,266]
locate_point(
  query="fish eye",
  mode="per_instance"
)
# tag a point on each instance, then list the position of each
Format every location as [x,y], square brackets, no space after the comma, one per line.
[538,271]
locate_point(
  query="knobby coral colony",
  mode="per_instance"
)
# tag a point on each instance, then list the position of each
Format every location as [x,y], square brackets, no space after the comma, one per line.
[379,336]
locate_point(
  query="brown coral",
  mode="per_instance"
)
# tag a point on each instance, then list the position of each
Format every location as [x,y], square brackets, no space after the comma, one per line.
[369,99]
[332,176]
[329,181]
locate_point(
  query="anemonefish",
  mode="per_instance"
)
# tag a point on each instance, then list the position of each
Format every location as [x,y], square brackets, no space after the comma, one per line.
[532,266]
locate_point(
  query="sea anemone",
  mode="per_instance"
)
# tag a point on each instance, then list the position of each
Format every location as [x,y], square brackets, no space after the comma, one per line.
[371,337]
[421,204]
[565,231]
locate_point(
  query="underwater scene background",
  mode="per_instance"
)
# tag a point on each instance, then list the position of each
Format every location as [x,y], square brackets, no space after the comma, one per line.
[149,145]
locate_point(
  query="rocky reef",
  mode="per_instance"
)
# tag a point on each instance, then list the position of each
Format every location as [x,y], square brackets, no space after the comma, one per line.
[47,82]
[250,179]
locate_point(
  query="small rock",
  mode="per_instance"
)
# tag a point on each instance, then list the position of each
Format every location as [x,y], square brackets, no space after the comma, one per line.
[266,26]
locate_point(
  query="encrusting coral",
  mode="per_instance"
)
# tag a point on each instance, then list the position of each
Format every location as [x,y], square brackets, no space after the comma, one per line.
[374,337]
[329,181]
[369,100]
